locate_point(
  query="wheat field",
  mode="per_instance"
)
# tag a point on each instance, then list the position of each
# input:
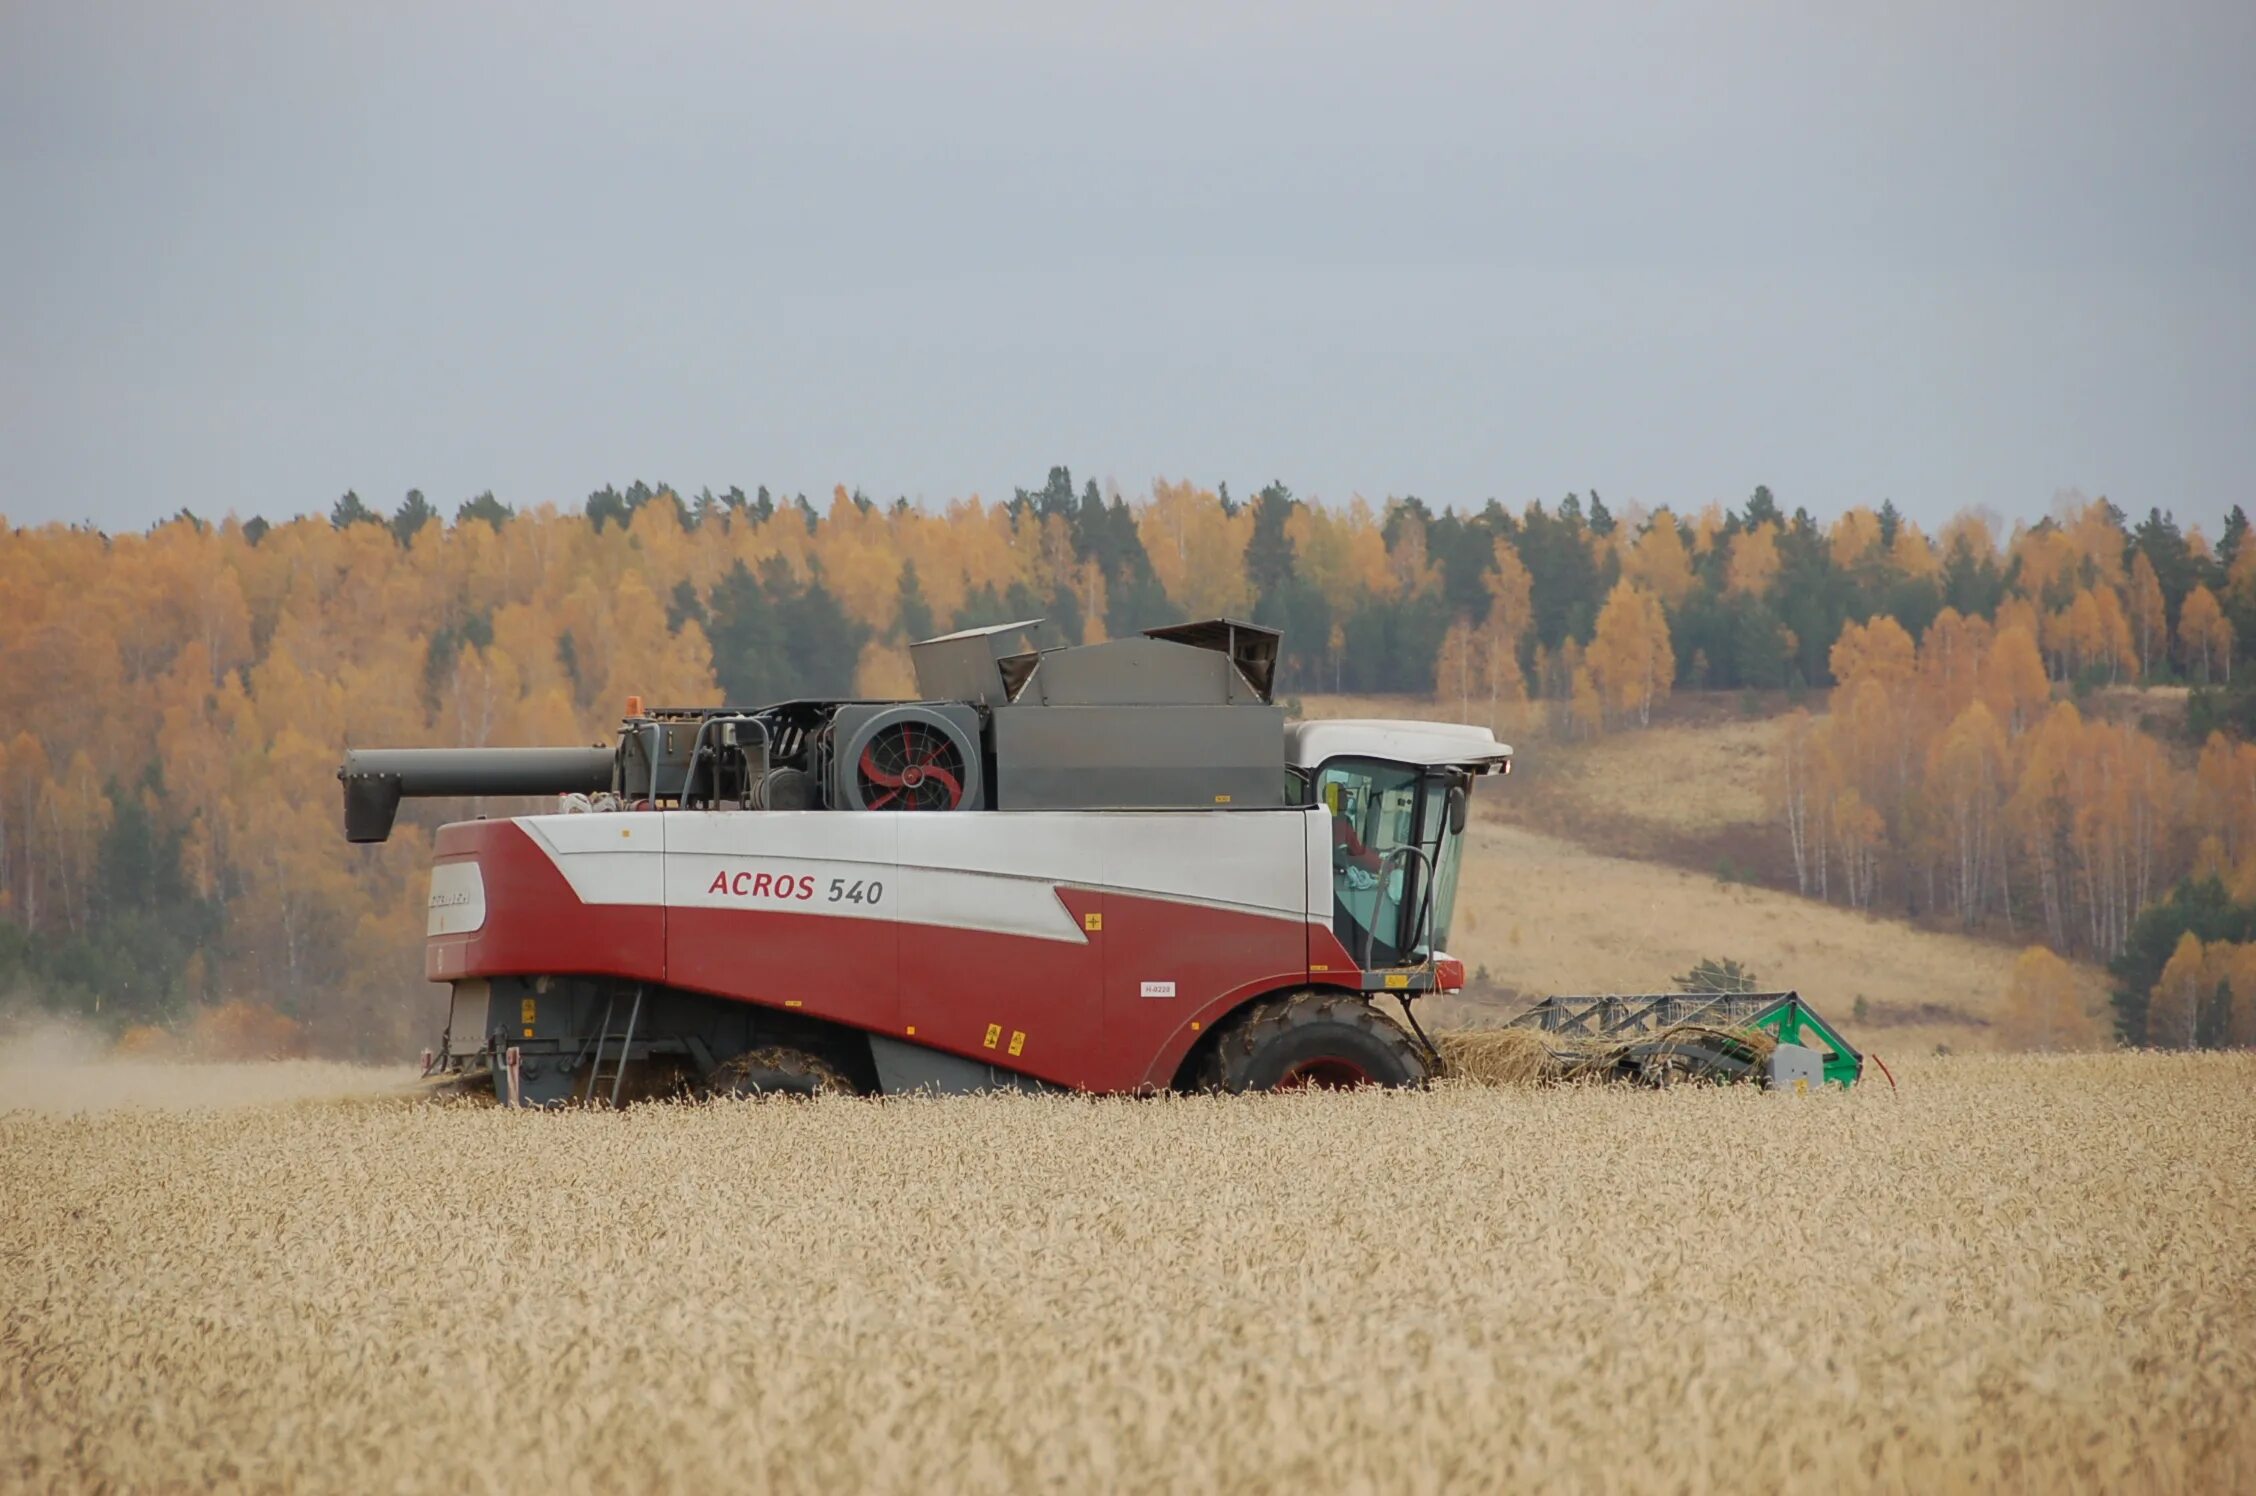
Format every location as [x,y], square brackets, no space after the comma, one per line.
[2020,1273]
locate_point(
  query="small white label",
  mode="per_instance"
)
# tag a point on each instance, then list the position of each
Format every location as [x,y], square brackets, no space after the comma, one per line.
[1159,989]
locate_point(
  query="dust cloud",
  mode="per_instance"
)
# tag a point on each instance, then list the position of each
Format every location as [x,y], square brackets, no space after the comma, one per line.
[52,1065]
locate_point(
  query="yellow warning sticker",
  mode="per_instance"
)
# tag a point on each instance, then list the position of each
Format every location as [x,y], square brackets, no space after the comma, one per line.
[994,1034]
[525,1011]
[1221,799]
[1018,1042]
[1092,921]
[1398,981]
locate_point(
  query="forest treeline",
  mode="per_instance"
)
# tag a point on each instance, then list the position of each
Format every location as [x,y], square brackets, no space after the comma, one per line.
[177,698]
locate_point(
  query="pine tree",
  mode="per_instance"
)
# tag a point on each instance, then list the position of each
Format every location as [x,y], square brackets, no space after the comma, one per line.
[749,645]
[1762,509]
[1269,551]
[1055,496]
[412,515]
[915,612]
[606,506]
[349,510]
[1564,574]
[1464,549]
[484,507]
[2158,539]
[2230,542]
[825,643]
[1601,518]
[684,606]
[1134,599]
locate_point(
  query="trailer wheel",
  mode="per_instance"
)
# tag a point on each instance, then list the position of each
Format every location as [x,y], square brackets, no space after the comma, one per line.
[1314,1041]
[777,1070]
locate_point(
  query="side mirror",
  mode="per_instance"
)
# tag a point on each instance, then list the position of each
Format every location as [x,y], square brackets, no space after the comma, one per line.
[1460,806]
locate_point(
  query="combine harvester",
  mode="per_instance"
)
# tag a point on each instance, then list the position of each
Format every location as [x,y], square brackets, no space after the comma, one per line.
[1108,868]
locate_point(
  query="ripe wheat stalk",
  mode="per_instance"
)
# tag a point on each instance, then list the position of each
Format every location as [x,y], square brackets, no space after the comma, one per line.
[2018,1272]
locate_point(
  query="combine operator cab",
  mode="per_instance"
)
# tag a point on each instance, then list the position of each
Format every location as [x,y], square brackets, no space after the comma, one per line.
[1397,794]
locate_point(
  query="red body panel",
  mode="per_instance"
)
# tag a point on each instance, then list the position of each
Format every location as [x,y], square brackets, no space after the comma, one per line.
[846,970]
[534,922]
[1115,1010]
[1215,959]
[1071,1013]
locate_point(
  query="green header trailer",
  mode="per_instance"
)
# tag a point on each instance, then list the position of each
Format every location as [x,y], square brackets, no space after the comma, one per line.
[1695,1035]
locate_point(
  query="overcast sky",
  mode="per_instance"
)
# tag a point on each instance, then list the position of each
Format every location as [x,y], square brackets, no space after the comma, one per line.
[1942,253]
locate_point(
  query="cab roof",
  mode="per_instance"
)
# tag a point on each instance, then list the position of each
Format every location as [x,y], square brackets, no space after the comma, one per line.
[1426,744]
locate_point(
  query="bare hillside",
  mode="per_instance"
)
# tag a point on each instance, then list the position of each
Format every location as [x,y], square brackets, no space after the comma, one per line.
[1688,789]
[1542,916]
[1610,865]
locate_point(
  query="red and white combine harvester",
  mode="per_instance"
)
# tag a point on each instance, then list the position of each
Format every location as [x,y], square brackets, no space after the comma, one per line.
[1114,867]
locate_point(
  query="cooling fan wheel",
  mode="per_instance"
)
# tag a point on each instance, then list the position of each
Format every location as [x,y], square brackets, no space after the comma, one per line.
[910,766]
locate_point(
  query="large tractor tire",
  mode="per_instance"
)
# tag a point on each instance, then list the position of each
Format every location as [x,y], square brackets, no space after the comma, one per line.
[1314,1041]
[777,1071]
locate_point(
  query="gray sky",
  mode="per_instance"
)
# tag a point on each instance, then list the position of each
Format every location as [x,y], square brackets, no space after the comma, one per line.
[1940,253]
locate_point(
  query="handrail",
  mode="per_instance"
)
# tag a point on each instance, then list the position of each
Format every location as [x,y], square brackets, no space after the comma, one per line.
[697,746]
[1370,930]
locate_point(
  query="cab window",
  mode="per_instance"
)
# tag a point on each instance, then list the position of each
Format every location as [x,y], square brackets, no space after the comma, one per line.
[1395,856]
[1376,879]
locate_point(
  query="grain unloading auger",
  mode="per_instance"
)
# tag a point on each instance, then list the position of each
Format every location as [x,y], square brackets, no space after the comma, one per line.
[1113,867]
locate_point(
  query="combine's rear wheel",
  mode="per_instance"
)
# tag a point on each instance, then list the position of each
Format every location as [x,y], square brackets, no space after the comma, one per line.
[777,1071]
[1314,1041]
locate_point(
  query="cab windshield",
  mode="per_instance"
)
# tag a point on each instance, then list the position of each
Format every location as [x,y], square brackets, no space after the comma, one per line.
[1394,858]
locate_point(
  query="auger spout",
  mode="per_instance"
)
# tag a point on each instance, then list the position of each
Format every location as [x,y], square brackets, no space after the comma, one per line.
[376,779]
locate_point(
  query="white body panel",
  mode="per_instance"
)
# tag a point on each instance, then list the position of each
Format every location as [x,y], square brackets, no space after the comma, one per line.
[608,859]
[988,870]
[1246,859]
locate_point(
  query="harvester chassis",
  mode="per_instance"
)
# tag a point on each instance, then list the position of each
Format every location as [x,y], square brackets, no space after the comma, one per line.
[572,1040]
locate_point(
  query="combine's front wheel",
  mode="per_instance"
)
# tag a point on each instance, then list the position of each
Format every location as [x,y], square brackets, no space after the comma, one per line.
[776,1070]
[1314,1041]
